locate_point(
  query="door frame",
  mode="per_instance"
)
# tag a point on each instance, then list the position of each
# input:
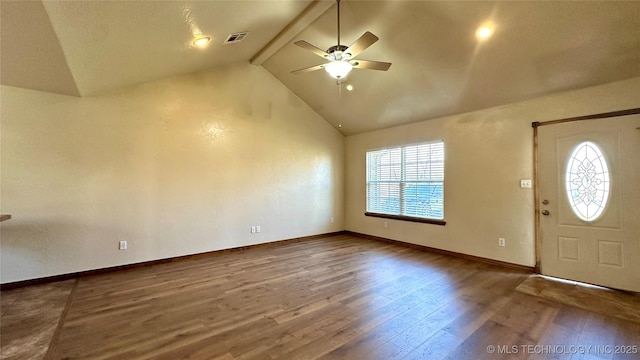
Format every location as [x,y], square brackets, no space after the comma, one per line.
[536,190]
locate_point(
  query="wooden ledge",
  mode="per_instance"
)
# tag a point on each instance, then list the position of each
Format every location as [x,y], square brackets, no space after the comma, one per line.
[407,218]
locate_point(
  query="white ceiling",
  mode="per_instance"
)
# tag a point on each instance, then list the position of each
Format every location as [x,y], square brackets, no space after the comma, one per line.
[85,48]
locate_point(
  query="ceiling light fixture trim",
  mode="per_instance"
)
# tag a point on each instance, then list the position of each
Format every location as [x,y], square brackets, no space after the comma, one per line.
[201,42]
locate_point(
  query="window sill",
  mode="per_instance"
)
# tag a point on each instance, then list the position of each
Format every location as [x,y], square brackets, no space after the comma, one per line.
[407,218]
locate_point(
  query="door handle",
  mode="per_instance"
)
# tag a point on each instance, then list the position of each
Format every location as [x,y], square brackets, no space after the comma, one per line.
[545,212]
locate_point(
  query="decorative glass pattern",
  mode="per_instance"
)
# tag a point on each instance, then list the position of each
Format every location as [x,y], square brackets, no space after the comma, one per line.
[587,181]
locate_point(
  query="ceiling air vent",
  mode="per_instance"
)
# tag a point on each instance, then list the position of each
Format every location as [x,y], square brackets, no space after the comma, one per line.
[235,38]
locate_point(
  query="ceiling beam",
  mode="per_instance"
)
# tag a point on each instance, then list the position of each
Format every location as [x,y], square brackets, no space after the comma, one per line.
[295,27]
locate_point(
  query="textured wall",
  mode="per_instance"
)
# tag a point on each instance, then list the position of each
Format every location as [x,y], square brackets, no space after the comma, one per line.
[175,167]
[486,154]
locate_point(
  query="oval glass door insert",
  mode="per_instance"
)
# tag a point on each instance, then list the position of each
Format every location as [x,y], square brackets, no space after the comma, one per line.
[587,181]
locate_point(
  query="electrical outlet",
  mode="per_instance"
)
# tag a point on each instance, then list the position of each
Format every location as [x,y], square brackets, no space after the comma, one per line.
[258,229]
[122,245]
[386,224]
[501,242]
[525,184]
[253,229]
[332,220]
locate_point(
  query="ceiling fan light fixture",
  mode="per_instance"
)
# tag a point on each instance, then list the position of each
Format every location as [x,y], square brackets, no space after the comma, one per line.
[338,69]
[341,57]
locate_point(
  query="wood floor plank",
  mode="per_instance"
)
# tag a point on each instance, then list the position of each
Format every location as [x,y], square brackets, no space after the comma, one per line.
[337,297]
[623,305]
[30,317]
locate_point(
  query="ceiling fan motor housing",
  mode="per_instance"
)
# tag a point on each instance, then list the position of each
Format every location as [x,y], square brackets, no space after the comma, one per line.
[336,52]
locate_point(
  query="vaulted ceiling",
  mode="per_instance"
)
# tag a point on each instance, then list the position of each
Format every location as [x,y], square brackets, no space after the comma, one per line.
[85,48]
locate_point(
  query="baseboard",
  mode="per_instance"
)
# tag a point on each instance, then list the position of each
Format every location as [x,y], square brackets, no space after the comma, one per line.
[446,252]
[74,275]
[62,277]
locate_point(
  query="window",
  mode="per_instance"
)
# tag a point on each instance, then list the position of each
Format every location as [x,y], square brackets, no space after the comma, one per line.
[587,181]
[407,183]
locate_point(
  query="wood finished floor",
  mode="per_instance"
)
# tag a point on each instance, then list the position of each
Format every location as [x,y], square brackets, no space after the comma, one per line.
[620,304]
[339,297]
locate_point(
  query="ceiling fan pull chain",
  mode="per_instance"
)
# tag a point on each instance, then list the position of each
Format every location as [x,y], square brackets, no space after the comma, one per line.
[339,83]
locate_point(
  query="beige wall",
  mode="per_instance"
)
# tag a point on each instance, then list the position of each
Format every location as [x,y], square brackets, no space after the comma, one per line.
[487,153]
[179,166]
[188,164]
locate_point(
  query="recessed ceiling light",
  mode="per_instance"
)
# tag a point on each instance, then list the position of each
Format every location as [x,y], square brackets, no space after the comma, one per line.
[201,41]
[484,32]
[349,87]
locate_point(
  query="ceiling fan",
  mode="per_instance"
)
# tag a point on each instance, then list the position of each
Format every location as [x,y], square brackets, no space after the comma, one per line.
[341,58]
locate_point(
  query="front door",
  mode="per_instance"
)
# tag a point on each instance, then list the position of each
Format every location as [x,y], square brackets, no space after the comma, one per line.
[589,193]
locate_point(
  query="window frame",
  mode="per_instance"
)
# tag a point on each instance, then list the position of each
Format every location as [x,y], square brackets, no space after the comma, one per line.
[403,183]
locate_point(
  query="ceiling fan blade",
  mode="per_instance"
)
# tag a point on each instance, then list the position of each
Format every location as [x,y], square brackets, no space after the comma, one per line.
[310,68]
[361,44]
[314,49]
[370,65]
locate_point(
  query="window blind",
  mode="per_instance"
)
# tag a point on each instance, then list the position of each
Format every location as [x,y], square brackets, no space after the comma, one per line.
[407,180]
